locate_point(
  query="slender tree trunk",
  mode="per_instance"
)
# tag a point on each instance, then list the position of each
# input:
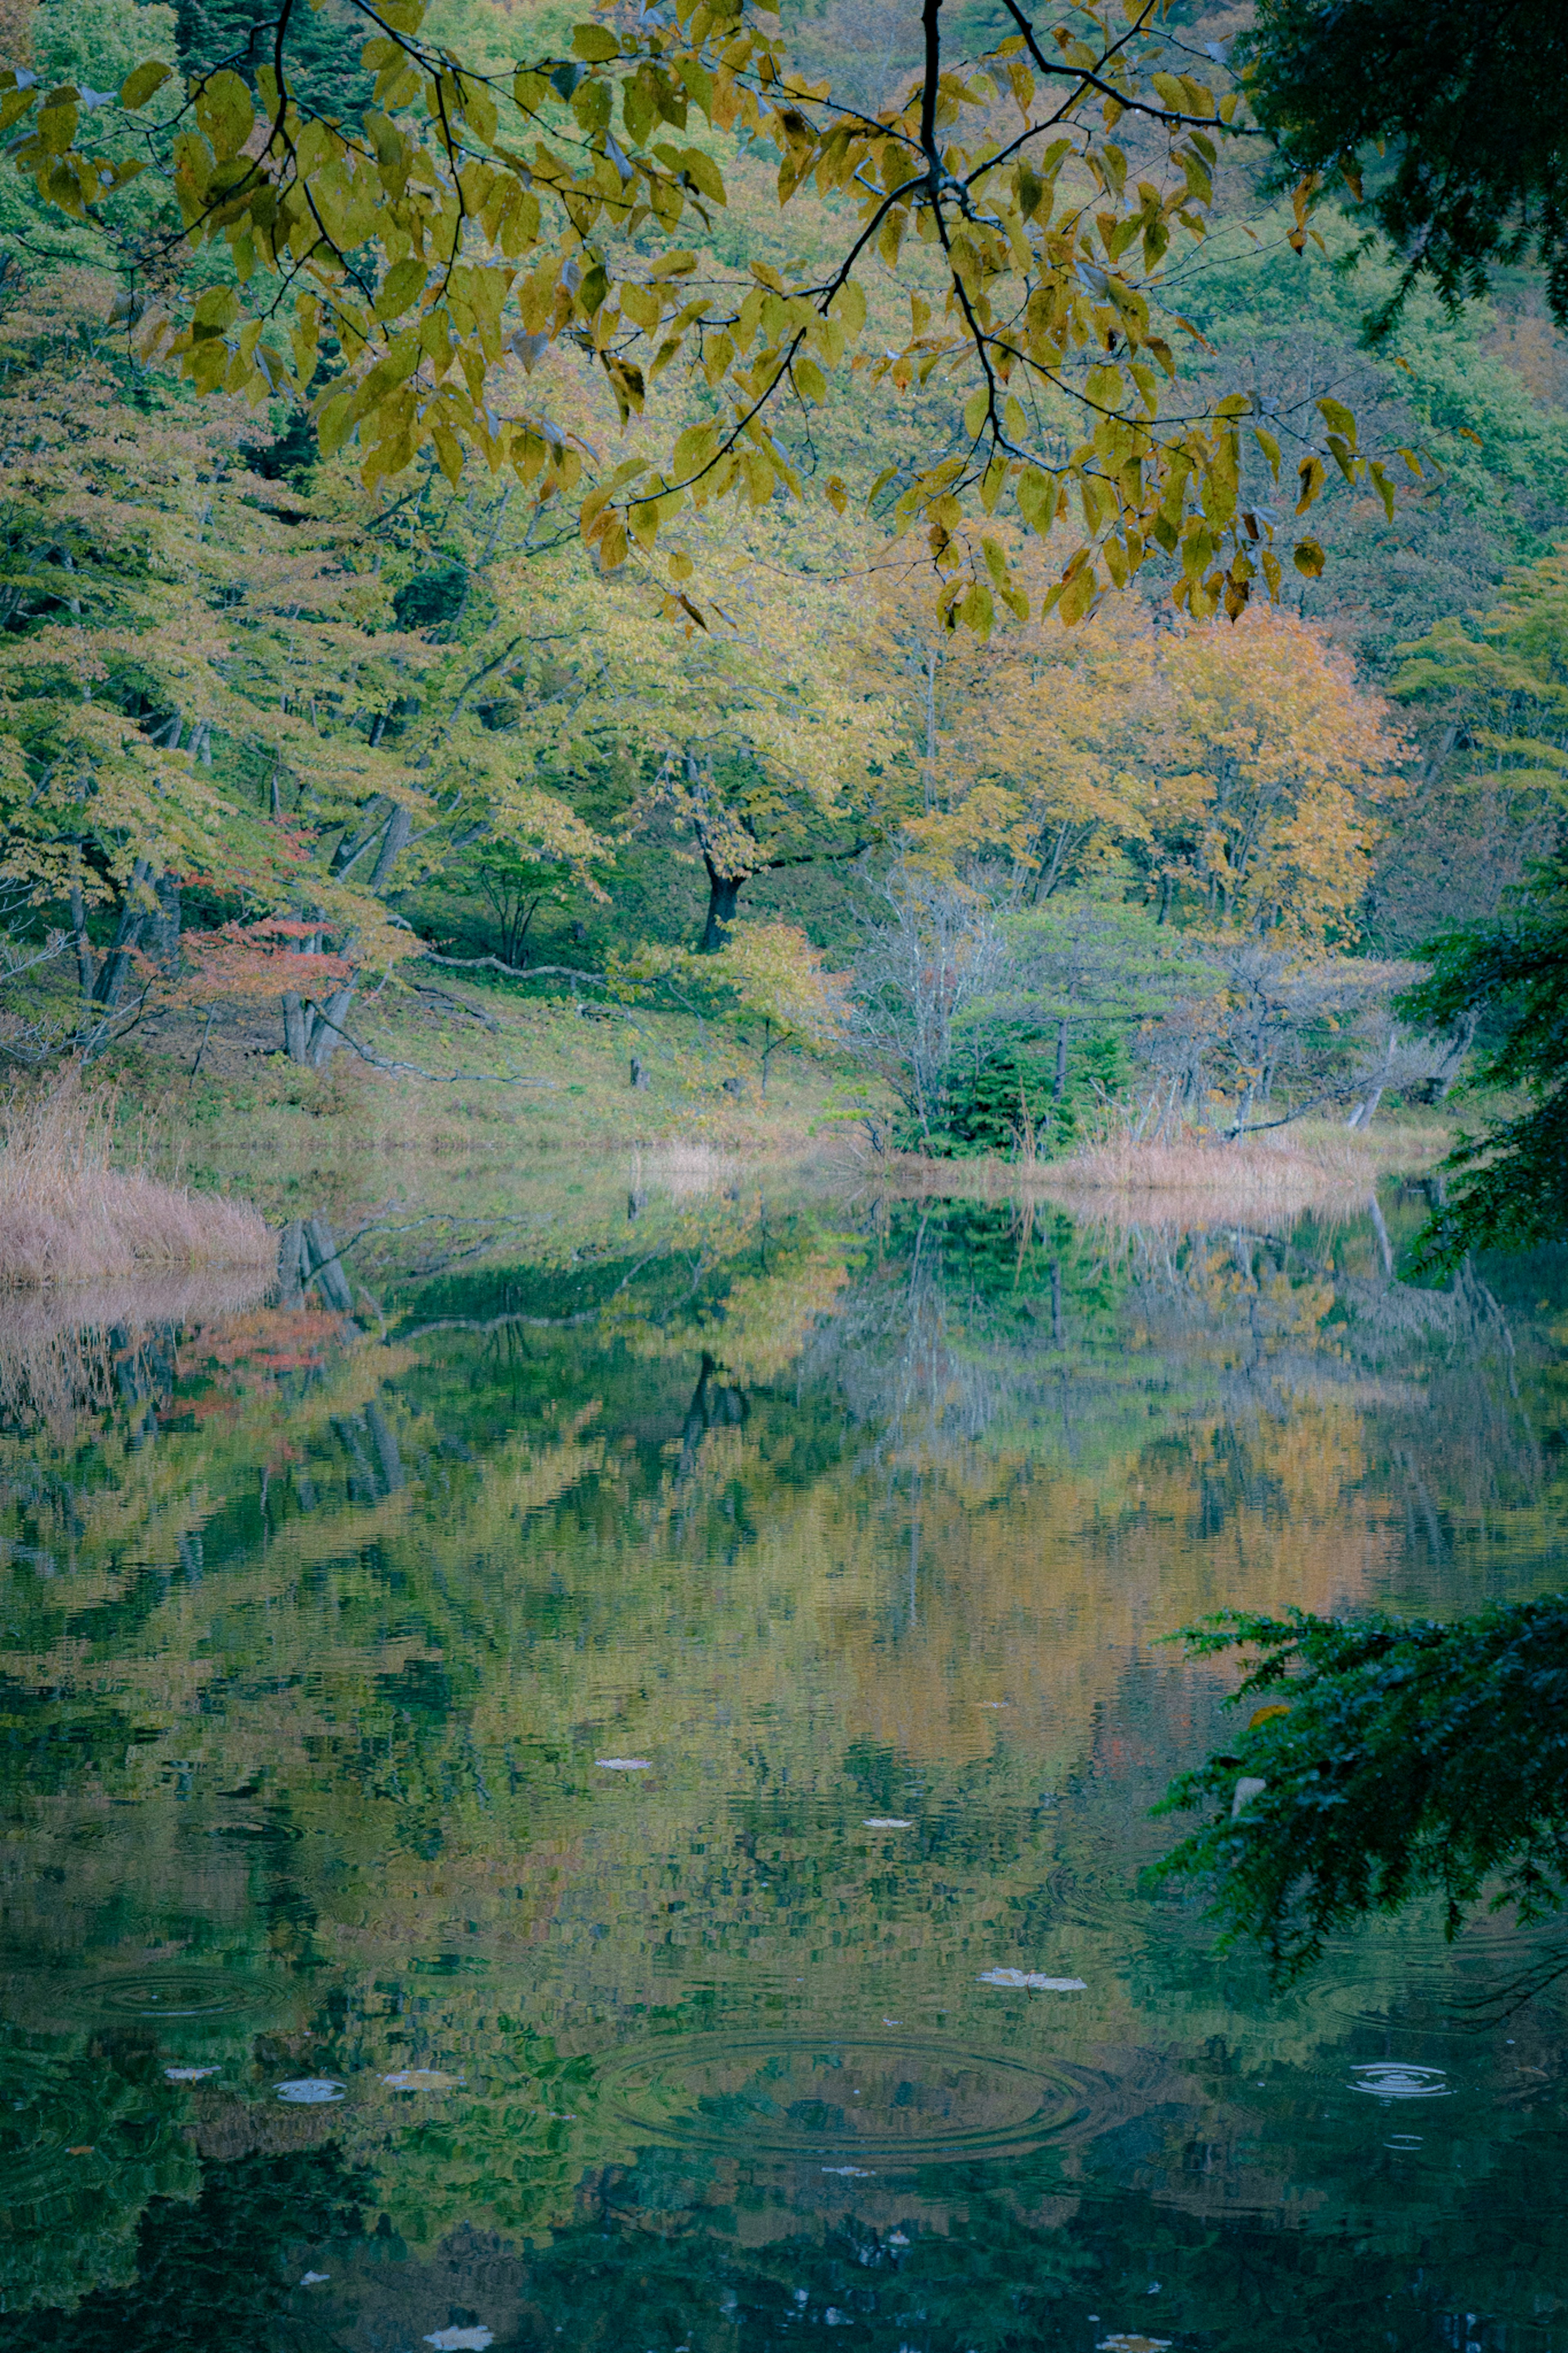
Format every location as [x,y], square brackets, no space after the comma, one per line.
[86,962]
[166,923]
[351,848]
[127,932]
[1059,1085]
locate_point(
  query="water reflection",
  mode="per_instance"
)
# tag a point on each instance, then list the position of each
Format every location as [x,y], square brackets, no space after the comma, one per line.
[586,1780]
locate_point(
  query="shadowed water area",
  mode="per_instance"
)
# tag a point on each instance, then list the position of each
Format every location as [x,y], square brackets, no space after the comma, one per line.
[537,1756]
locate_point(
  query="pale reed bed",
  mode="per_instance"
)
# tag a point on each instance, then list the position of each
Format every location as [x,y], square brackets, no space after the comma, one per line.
[1192,1183]
[67,1216]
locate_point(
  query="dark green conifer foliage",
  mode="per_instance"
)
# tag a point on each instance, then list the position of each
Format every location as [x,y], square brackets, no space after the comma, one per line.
[1446,123]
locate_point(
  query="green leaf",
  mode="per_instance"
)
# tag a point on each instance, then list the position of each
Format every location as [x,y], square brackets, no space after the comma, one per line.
[403,284]
[594,44]
[1338,418]
[226,113]
[1310,559]
[139,85]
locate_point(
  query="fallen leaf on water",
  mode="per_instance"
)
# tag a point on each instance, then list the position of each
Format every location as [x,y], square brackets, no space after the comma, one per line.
[84,2148]
[315,2279]
[853,2172]
[888,1822]
[1032,1981]
[421,2079]
[310,2091]
[461,2340]
[620,1764]
[188,2075]
[1133,2345]
[1247,1788]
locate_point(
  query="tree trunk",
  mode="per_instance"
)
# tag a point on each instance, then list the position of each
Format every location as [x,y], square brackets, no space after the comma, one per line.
[723,897]
[324,1037]
[399,827]
[294,1027]
[353,847]
[293,1263]
[86,962]
[326,1266]
[1059,1086]
[127,932]
[166,923]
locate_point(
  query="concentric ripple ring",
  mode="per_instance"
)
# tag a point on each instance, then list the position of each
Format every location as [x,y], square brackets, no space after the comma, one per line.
[884,2101]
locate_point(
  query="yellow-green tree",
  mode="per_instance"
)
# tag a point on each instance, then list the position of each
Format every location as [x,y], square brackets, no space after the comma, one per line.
[469,219]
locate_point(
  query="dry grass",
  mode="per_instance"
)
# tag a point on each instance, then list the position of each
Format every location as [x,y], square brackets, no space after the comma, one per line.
[68,1216]
[1197,1182]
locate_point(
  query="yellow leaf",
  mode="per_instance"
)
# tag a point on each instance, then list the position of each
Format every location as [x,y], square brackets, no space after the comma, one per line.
[849,306]
[401,285]
[1310,559]
[139,85]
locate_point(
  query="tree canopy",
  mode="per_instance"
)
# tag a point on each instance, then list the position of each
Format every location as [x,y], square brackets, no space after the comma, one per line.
[1443,124]
[407,275]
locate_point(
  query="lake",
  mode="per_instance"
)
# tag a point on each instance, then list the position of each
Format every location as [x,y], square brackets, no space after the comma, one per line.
[584,1777]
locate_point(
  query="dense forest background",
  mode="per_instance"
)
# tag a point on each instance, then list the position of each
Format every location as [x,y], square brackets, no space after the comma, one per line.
[271,739]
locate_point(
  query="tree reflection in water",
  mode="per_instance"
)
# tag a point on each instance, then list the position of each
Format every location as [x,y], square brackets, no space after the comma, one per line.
[319,1610]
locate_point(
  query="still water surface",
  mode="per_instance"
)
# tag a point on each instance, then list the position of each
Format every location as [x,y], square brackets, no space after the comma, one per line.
[584,1784]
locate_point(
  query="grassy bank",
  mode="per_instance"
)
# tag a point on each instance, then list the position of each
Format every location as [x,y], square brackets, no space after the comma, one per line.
[547,1088]
[68,1215]
[1266,1178]
[543,1088]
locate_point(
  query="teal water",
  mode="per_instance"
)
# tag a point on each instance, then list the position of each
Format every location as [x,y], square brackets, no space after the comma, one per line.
[537,1760]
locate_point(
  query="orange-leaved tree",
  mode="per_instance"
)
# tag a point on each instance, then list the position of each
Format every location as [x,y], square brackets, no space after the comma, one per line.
[1240,770]
[1276,772]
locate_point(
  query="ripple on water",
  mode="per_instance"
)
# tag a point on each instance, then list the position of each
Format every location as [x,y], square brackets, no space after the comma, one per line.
[882,2101]
[1398,2079]
[164,1993]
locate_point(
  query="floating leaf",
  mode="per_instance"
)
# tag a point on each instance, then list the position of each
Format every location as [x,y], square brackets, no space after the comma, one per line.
[624,1764]
[314,2279]
[1247,1788]
[188,2075]
[888,1822]
[1031,1981]
[310,2091]
[460,2340]
[421,2079]
[852,2172]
